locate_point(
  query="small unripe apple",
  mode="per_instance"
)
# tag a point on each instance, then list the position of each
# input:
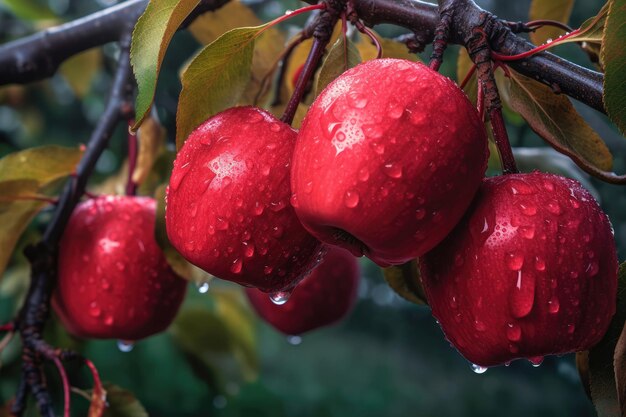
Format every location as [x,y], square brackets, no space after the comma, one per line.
[388,159]
[113,279]
[228,208]
[531,270]
[322,298]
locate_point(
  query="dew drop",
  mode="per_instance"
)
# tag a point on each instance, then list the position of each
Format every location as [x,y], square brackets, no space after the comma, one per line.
[570,328]
[248,249]
[522,295]
[392,170]
[279,298]
[514,261]
[267,269]
[554,207]
[203,287]
[294,340]
[357,100]
[105,284]
[527,232]
[363,174]
[536,361]
[259,208]
[480,326]
[109,320]
[120,265]
[540,264]
[478,369]
[275,127]
[277,231]
[351,199]
[420,213]
[125,345]
[236,266]
[308,187]
[528,209]
[178,175]
[94,309]
[592,269]
[394,110]
[553,305]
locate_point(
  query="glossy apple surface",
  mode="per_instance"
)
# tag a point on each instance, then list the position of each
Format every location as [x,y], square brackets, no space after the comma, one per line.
[113,279]
[322,298]
[228,208]
[531,270]
[388,159]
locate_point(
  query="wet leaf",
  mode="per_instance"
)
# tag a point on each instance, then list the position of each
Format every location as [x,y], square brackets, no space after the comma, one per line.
[174,259]
[221,71]
[592,29]
[151,142]
[122,403]
[342,56]
[554,118]
[559,10]
[406,282]
[153,33]
[613,55]
[80,70]
[602,375]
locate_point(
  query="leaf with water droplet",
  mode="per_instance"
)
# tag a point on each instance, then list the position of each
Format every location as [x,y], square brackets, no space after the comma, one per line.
[342,56]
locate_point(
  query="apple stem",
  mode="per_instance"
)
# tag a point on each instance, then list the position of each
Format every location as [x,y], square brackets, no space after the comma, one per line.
[502,141]
[442,32]
[324,24]
[131,185]
[468,77]
[66,386]
[364,30]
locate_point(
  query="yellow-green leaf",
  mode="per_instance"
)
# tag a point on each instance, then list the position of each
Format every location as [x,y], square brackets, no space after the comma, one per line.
[559,10]
[151,142]
[613,56]
[29,9]
[215,79]
[153,33]
[554,118]
[601,358]
[342,56]
[122,403]
[43,164]
[80,70]
[592,29]
[209,26]
[406,282]
[391,49]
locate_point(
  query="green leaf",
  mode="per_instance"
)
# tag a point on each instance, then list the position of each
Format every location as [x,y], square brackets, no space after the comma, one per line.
[43,164]
[554,118]
[559,10]
[601,362]
[342,56]
[215,79]
[29,9]
[153,33]
[592,29]
[406,282]
[122,403]
[613,56]
[220,340]
[23,176]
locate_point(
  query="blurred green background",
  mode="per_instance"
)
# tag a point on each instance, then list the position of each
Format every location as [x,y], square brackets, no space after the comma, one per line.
[389,358]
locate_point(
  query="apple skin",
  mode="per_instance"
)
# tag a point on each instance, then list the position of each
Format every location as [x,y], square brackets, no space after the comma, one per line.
[531,270]
[113,279]
[322,298]
[388,159]
[228,208]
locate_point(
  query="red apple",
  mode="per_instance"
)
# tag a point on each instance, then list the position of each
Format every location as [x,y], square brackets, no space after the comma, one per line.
[113,279]
[322,298]
[228,208]
[388,159]
[531,270]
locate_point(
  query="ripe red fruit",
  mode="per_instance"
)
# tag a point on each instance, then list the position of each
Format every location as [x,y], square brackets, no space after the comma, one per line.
[388,159]
[228,208]
[114,281]
[531,270]
[322,298]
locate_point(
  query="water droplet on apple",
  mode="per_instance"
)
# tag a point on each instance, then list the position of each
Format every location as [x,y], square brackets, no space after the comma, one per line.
[373,131]
[379,148]
[203,287]
[294,340]
[571,328]
[248,249]
[94,309]
[394,109]
[540,264]
[351,199]
[120,265]
[392,170]
[357,100]
[221,224]
[193,210]
[528,209]
[536,361]
[236,266]
[258,208]
[267,269]
[125,345]
[293,200]
[363,174]
[278,206]
[279,298]
[478,369]
[178,175]
[480,326]
[554,207]
[574,203]
[277,231]
[420,213]
[308,187]
[522,295]
[527,232]
[592,269]
[105,284]
[275,127]
[513,332]
[109,320]
[553,305]
[514,261]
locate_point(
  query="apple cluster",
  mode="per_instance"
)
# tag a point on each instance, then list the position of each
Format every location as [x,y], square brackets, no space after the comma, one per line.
[389,163]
